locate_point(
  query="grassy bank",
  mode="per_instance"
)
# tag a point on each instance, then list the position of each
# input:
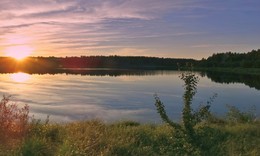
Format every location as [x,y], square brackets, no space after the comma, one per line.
[131,138]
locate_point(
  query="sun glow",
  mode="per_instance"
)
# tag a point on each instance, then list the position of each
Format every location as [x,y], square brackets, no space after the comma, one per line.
[20,77]
[18,52]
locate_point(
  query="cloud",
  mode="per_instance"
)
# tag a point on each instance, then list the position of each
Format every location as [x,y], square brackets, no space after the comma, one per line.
[80,27]
[86,11]
[83,24]
[217,45]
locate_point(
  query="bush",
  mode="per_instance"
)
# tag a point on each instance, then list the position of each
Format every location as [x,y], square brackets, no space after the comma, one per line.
[190,118]
[35,147]
[13,121]
[234,115]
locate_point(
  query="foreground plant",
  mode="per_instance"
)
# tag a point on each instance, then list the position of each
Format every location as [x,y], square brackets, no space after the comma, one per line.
[190,118]
[13,121]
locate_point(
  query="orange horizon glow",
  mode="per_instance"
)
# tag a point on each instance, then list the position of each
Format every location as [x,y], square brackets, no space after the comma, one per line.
[18,52]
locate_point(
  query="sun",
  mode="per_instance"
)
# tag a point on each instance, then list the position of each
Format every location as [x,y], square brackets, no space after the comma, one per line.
[18,52]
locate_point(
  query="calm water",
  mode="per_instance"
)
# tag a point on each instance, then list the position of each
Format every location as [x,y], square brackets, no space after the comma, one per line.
[123,95]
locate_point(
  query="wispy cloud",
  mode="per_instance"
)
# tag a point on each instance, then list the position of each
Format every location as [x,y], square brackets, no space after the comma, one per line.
[65,27]
[80,24]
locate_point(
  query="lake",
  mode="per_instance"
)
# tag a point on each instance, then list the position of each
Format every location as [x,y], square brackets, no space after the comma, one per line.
[116,95]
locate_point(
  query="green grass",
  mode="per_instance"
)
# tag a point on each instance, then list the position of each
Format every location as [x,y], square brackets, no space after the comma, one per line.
[131,138]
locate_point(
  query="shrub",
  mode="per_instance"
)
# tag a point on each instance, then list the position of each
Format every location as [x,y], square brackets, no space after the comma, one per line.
[35,147]
[234,115]
[13,121]
[190,118]
[42,138]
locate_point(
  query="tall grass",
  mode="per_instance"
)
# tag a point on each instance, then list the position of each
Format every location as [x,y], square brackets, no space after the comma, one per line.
[131,138]
[97,138]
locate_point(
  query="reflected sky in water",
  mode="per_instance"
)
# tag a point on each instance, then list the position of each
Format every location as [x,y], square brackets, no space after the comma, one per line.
[128,97]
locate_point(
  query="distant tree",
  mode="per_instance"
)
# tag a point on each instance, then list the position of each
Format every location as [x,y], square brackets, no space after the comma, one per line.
[232,59]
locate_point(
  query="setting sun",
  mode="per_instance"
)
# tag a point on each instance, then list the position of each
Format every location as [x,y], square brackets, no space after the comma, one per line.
[18,52]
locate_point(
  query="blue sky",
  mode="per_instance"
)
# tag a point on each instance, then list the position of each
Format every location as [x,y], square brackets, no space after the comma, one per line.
[163,28]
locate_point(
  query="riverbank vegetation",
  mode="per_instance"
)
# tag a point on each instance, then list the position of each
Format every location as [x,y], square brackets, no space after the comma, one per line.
[224,137]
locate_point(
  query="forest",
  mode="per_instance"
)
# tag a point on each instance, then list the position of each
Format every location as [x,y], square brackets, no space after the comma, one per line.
[232,60]
[43,64]
[57,64]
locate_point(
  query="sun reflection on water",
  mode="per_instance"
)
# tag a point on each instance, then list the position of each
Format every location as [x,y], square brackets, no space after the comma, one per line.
[20,77]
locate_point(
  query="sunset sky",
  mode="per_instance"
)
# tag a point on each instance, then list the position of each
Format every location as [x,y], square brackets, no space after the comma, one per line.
[163,28]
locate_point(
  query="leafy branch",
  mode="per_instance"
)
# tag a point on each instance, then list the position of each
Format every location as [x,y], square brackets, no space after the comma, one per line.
[190,118]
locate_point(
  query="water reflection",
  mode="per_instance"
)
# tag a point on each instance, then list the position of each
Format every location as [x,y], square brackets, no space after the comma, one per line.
[20,77]
[253,81]
[94,72]
[114,95]
[249,80]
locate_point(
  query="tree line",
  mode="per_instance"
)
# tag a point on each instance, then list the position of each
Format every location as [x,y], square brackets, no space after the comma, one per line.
[39,64]
[51,64]
[232,59]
